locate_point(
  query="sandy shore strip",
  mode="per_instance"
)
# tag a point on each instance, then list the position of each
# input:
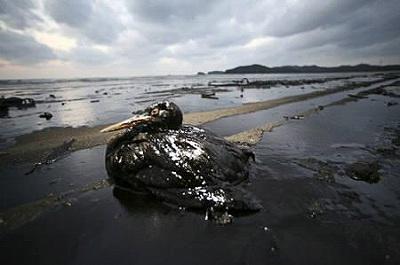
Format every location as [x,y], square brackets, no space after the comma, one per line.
[36,146]
[199,118]
[255,135]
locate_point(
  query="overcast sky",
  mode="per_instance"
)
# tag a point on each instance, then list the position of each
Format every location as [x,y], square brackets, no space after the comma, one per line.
[78,38]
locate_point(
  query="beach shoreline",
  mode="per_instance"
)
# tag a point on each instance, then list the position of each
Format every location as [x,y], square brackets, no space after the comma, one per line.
[35,146]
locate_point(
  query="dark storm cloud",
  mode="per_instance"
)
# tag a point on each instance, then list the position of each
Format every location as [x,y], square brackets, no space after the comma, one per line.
[229,33]
[352,23]
[368,25]
[18,13]
[23,49]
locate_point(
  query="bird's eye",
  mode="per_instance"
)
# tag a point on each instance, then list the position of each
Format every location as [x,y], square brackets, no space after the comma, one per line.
[154,112]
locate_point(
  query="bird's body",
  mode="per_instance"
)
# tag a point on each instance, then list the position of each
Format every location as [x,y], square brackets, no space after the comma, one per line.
[184,165]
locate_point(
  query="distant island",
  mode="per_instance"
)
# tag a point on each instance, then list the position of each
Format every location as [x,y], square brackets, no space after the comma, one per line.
[216,72]
[261,69]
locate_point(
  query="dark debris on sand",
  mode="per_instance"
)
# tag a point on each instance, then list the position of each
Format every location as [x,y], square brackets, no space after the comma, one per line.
[323,170]
[15,102]
[367,171]
[46,115]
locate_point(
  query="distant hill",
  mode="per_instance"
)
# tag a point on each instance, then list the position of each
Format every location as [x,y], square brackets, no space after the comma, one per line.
[216,72]
[261,69]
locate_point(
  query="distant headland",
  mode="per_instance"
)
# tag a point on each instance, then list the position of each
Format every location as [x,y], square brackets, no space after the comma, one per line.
[291,69]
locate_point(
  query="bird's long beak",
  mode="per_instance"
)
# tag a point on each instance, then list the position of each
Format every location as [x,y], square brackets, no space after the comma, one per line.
[129,123]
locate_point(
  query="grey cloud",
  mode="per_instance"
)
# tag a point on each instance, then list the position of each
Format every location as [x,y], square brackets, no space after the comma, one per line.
[18,13]
[168,22]
[22,49]
[214,34]
[305,16]
[101,28]
[221,24]
[86,55]
[302,31]
[370,25]
[74,13]
[159,11]
[376,24]
[390,50]
[88,18]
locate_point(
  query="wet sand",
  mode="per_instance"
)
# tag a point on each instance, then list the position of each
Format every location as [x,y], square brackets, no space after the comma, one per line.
[34,147]
[208,116]
[254,135]
[314,213]
[81,102]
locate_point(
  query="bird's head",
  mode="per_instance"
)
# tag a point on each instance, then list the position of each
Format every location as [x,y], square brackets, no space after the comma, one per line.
[164,115]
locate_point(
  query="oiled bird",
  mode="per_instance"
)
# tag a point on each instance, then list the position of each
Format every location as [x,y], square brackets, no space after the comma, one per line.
[181,164]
